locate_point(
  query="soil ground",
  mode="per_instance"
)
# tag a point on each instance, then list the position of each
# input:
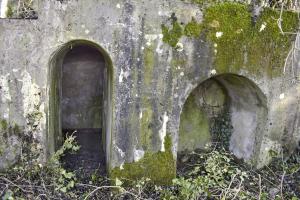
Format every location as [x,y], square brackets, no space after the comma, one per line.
[90,158]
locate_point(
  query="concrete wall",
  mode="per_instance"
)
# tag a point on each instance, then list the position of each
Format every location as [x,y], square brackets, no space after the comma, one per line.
[150,80]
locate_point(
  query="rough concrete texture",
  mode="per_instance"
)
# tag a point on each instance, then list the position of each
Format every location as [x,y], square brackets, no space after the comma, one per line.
[150,80]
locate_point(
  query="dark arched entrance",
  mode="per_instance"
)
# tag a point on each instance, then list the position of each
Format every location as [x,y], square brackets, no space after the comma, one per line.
[228,110]
[80,104]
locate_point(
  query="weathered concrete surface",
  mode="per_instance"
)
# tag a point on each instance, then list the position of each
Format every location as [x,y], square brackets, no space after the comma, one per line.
[150,80]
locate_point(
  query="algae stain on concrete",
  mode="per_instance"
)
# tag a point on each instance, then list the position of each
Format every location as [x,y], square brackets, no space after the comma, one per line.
[145,119]
[194,127]
[149,62]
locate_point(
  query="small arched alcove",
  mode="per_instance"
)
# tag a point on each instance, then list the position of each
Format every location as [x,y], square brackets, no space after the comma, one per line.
[228,110]
[80,96]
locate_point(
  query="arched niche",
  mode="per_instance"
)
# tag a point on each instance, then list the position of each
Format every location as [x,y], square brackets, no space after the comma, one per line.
[228,110]
[80,79]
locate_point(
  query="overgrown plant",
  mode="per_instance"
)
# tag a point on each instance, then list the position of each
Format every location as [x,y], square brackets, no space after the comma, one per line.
[21,9]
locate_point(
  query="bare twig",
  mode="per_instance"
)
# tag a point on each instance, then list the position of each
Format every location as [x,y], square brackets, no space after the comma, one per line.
[281,184]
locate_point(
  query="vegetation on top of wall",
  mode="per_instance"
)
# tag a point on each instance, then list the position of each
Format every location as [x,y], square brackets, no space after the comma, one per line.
[239,43]
[22,9]
[259,48]
[274,4]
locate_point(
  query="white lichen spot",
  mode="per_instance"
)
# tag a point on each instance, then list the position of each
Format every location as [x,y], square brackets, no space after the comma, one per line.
[150,38]
[118,5]
[142,48]
[215,51]
[215,45]
[34,108]
[160,36]
[122,166]
[31,94]
[121,153]
[181,73]
[3,10]
[267,149]
[281,96]
[87,31]
[239,31]
[82,26]
[163,131]
[219,34]
[164,13]
[141,114]
[5,94]
[138,155]
[263,26]
[213,72]
[159,49]
[179,47]
[123,75]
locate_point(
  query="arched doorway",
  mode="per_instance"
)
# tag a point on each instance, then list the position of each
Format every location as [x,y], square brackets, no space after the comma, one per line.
[80,78]
[228,110]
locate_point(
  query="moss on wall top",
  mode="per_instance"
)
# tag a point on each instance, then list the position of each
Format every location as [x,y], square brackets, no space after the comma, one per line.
[239,43]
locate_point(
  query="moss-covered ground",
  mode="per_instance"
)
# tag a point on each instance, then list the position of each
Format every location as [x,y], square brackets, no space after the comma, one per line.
[159,167]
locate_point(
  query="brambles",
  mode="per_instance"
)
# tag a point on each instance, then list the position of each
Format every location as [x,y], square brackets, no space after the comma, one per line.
[210,174]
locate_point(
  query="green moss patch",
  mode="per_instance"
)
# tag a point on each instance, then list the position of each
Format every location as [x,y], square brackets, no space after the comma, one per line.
[193,29]
[259,48]
[238,43]
[173,35]
[4,124]
[227,25]
[160,167]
